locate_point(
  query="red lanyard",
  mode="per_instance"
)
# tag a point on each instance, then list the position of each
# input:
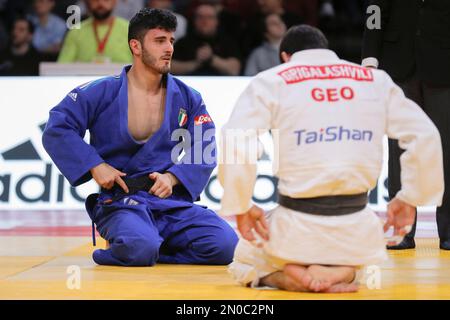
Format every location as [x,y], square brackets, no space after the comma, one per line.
[101,44]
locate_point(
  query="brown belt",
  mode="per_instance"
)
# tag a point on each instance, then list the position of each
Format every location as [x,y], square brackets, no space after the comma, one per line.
[326,206]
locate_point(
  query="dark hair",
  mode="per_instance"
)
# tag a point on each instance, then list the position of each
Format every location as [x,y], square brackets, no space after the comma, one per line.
[302,37]
[24,18]
[150,18]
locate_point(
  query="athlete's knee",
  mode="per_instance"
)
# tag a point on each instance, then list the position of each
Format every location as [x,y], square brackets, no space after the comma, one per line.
[136,250]
[219,247]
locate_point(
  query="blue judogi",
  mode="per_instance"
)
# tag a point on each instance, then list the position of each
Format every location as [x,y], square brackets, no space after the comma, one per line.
[142,229]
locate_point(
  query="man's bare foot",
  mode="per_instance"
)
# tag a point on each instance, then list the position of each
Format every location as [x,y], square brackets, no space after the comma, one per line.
[325,277]
[296,279]
[299,274]
[314,278]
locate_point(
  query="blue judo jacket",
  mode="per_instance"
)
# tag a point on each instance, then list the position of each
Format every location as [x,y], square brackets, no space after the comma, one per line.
[101,106]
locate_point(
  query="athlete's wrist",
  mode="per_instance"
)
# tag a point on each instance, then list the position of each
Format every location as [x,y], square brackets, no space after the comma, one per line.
[173,180]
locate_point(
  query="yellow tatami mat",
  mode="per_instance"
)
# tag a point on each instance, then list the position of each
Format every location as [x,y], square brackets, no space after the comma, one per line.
[50,267]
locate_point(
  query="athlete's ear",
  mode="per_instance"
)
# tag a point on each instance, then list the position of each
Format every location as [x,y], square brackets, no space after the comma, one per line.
[136,47]
[285,57]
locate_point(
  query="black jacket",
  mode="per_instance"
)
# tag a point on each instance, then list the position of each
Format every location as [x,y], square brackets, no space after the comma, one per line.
[414,35]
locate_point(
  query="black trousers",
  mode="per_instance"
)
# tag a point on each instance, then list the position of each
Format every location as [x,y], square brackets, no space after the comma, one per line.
[435,101]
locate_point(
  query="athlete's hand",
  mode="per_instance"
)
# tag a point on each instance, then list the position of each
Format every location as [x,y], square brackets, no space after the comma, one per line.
[253,219]
[106,176]
[401,216]
[163,184]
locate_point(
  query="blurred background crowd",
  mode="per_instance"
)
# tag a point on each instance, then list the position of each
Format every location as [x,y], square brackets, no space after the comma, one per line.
[214,37]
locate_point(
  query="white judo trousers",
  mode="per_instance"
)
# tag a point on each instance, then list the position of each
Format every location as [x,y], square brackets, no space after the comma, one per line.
[300,238]
[328,118]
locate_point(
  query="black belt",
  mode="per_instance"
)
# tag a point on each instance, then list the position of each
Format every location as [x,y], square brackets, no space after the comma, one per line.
[142,183]
[326,206]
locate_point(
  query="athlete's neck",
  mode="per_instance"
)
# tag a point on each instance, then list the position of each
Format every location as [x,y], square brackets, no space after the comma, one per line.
[145,79]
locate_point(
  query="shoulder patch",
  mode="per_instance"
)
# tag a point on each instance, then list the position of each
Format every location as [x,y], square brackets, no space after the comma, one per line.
[201,119]
[182,117]
[73,96]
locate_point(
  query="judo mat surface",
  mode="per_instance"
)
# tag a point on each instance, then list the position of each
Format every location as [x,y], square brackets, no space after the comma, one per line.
[42,252]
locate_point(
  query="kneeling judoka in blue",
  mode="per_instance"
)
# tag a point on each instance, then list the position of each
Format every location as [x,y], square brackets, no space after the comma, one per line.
[145,209]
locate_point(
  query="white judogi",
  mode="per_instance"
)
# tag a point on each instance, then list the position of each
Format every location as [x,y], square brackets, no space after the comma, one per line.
[328,118]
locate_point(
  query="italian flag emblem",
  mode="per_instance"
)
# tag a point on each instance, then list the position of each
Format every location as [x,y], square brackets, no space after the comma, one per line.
[182,117]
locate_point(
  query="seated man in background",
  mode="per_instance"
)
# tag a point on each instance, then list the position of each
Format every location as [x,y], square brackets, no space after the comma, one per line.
[101,38]
[128,8]
[49,28]
[206,51]
[266,56]
[21,58]
[330,117]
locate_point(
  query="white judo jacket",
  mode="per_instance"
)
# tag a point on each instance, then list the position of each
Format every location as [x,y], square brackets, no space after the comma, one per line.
[328,117]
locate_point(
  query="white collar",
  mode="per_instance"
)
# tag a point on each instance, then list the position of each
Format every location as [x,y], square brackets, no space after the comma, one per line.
[314,55]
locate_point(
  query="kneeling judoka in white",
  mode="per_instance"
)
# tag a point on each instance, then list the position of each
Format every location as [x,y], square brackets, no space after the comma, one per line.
[328,118]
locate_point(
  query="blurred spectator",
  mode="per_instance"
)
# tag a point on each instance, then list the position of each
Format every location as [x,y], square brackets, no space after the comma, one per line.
[61,6]
[10,9]
[128,8]
[20,59]
[253,37]
[267,55]
[181,6]
[49,29]
[343,23]
[101,38]
[308,10]
[343,13]
[125,9]
[245,9]
[229,22]
[3,37]
[276,6]
[354,11]
[327,9]
[206,51]
[2,8]
[238,8]
[182,23]
[83,8]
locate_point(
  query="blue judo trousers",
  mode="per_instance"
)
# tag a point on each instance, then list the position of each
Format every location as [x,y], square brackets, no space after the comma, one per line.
[142,229]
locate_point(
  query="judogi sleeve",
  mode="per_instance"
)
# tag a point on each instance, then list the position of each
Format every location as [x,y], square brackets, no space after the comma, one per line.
[251,117]
[422,174]
[63,138]
[195,168]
